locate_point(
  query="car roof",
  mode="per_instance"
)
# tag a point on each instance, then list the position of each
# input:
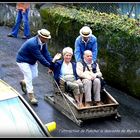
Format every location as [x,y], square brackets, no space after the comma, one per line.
[6,92]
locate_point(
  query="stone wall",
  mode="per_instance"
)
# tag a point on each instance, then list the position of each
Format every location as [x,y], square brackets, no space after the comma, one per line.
[8,15]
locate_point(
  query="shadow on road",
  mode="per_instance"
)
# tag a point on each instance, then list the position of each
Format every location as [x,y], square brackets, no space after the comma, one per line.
[129,107]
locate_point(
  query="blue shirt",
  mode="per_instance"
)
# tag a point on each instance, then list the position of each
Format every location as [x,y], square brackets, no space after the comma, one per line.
[31,51]
[81,46]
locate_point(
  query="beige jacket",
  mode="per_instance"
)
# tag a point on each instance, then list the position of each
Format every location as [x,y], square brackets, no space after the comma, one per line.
[87,74]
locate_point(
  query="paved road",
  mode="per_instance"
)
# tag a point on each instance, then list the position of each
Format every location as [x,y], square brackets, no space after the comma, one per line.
[129,107]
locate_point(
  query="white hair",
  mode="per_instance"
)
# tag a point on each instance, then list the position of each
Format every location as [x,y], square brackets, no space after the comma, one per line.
[87,52]
[67,50]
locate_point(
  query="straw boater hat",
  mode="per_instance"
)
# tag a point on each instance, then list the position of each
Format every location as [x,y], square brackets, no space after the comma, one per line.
[44,33]
[67,50]
[85,31]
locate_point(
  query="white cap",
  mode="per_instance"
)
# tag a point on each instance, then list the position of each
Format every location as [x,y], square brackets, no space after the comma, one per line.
[44,33]
[85,31]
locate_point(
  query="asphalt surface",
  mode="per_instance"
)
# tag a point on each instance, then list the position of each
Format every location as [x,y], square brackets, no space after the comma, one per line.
[129,107]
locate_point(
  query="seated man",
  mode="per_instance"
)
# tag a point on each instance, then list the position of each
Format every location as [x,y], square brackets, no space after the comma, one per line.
[89,72]
[66,70]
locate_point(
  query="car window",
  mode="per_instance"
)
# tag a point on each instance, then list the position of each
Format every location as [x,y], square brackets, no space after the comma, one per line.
[17,121]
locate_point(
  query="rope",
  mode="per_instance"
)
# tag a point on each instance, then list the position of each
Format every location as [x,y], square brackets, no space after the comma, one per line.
[65,99]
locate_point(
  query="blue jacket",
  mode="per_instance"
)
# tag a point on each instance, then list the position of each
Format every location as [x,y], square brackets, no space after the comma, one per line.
[30,53]
[80,47]
[57,67]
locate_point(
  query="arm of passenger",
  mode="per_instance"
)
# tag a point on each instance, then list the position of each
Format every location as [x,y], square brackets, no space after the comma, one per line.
[98,73]
[80,73]
[56,57]
[54,65]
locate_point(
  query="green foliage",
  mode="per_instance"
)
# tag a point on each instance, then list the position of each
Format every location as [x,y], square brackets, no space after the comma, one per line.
[111,25]
[118,40]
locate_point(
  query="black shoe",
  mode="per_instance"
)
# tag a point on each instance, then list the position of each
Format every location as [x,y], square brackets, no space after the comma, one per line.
[10,35]
[25,37]
[23,86]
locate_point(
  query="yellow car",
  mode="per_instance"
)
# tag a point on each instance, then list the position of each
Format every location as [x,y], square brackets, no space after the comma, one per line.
[17,118]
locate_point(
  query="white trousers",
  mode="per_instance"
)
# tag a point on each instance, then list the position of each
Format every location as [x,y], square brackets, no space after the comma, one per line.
[96,89]
[29,72]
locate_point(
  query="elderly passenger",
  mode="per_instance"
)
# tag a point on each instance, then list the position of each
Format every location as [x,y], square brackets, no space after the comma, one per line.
[66,69]
[89,72]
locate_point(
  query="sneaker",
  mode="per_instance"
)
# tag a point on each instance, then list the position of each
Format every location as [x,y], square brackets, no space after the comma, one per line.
[23,86]
[10,35]
[34,101]
[24,37]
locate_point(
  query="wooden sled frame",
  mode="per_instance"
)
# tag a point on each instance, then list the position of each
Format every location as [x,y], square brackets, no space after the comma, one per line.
[67,106]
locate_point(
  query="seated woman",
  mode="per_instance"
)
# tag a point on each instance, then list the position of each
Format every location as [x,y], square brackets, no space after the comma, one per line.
[89,72]
[65,69]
